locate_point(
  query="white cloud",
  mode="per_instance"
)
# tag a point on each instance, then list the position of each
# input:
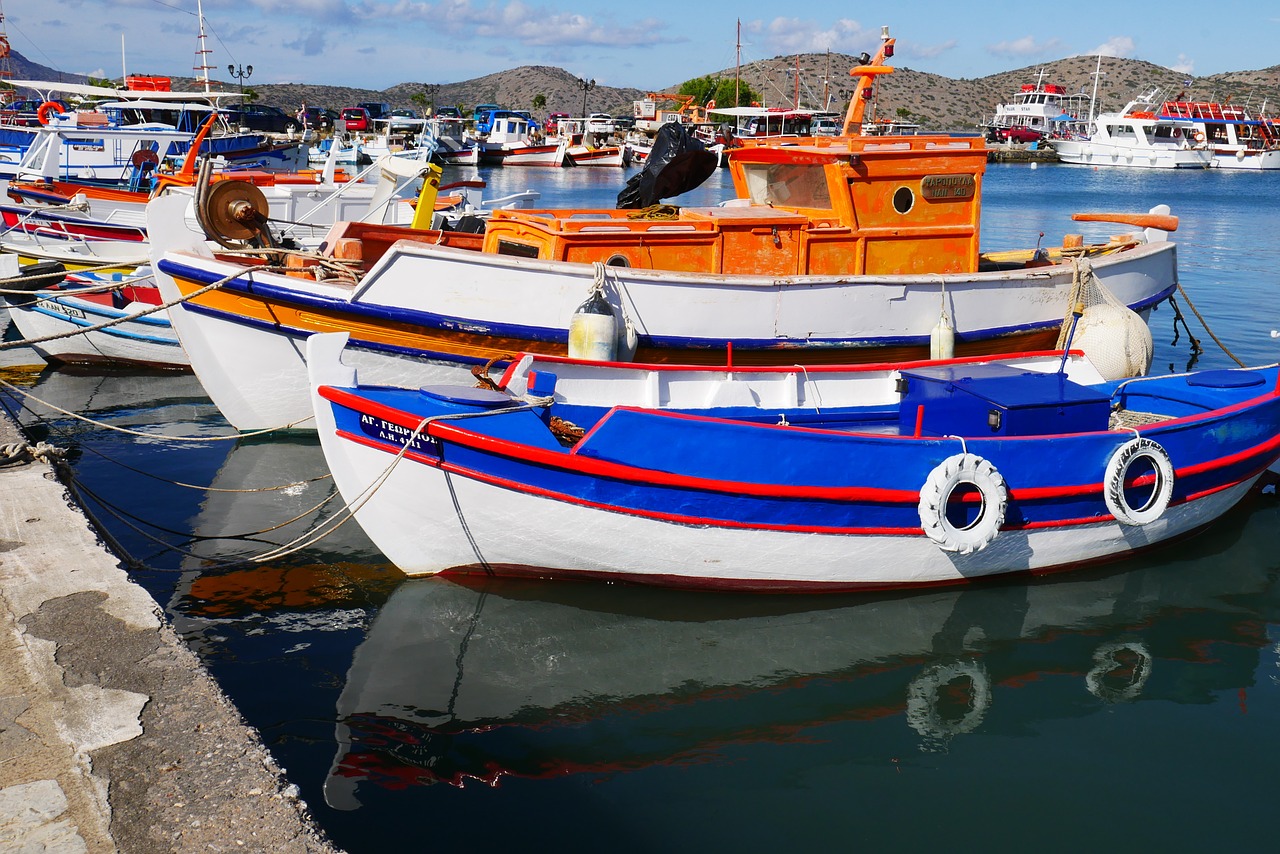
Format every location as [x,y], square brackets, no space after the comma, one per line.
[793,35]
[1185,64]
[515,21]
[1118,46]
[916,51]
[1025,46]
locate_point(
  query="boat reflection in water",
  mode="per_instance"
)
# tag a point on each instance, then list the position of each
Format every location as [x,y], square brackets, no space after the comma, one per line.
[274,498]
[497,679]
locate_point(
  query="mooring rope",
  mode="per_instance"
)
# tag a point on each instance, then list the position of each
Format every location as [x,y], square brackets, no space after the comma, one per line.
[153,436]
[347,512]
[9,345]
[1205,324]
[36,277]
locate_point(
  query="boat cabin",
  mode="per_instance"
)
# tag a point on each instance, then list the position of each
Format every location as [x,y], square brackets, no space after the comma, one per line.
[824,206]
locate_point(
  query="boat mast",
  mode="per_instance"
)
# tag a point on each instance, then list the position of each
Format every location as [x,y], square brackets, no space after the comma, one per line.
[202,52]
[1093,98]
[737,67]
[6,64]
[826,84]
[795,100]
[863,90]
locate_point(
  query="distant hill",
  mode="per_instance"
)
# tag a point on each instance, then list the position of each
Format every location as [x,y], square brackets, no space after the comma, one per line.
[935,102]
[24,69]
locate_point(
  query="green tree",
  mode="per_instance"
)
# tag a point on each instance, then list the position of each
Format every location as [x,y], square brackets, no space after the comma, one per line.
[539,102]
[719,89]
[104,82]
[250,95]
[421,100]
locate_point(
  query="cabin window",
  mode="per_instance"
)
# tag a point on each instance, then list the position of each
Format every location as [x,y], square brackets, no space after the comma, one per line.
[523,250]
[792,185]
[904,200]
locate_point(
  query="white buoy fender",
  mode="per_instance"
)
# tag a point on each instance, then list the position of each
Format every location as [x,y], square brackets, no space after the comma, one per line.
[1126,456]
[593,330]
[942,483]
[942,339]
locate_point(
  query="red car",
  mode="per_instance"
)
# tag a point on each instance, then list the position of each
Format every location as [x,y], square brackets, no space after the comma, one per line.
[1019,134]
[356,118]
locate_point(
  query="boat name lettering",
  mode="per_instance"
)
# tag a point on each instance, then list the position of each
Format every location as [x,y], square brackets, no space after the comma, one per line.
[948,186]
[385,431]
[53,305]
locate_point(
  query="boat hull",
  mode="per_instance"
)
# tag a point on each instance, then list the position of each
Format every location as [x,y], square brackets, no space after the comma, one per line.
[144,342]
[523,155]
[1095,153]
[662,500]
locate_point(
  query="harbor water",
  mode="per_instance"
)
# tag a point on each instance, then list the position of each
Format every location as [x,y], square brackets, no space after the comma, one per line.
[1127,706]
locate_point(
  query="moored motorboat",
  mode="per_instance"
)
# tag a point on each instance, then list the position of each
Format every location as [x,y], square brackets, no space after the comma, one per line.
[1139,138]
[511,141]
[1238,140]
[893,476]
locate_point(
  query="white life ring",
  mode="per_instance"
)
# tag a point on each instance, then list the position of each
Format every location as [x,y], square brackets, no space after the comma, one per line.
[937,491]
[923,693]
[1118,467]
[1105,662]
[1199,136]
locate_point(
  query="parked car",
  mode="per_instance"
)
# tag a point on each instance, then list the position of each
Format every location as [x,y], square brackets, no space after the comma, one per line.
[376,109]
[824,126]
[356,119]
[25,112]
[624,123]
[1018,134]
[448,113]
[262,117]
[601,123]
[406,121]
[318,118]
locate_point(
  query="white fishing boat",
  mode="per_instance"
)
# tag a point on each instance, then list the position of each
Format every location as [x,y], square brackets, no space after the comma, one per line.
[837,250]
[510,142]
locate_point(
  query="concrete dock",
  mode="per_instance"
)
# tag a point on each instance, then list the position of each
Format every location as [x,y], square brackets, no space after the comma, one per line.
[113,737]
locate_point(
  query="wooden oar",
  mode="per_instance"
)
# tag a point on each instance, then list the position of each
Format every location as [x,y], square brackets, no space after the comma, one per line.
[1164,222]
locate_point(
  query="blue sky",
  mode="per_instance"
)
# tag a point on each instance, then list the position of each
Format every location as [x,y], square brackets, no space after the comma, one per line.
[649,44]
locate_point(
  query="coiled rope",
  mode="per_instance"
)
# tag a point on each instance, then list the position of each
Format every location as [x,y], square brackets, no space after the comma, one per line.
[21,452]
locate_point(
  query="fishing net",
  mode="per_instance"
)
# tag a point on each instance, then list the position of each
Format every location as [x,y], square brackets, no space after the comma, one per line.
[1114,337]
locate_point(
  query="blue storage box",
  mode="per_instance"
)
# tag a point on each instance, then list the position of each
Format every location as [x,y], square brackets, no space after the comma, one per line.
[996,400]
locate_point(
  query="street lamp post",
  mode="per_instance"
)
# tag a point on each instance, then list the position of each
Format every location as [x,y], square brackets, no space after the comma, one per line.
[240,72]
[587,86]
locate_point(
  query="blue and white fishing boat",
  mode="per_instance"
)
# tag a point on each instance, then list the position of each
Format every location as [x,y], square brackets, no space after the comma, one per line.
[798,479]
[128,128]
[66,321]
